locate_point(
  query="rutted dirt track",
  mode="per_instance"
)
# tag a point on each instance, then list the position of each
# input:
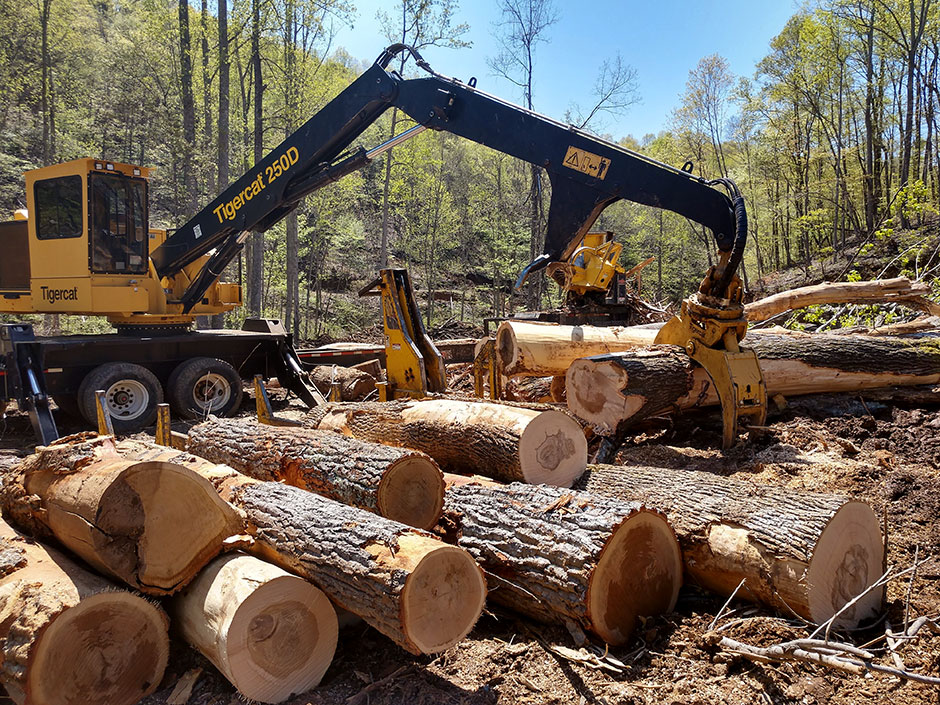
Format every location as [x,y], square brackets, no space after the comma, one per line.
[884,454]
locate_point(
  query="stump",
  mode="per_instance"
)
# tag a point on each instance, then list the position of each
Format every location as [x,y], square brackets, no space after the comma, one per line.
[270,633]
[801,552]
[403,485]
[69,637]
[564,556]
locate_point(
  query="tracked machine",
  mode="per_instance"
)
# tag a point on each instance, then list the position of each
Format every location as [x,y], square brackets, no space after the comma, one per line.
[85,246]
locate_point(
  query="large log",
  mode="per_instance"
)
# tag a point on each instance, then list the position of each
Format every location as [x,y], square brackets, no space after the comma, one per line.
[354,384]
[270,633]
[548,349]
[68,636]
[562,556]
[403,485]
[610,392]
[800,552]
[900,290]
[505,442]
[414,589]
[152,525]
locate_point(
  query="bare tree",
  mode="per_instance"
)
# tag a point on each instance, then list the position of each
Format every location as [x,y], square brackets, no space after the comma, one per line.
[615,91]
[705,102]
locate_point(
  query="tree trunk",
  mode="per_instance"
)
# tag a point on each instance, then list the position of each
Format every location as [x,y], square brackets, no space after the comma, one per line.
[529,389]
[402,485]
[562,556]
[270,633]
[152,525]
[189,112]
[800,552]
[499,441]
[422,594]
[223,124]
[610,392]
[67,635]
[355,384]
[256,259]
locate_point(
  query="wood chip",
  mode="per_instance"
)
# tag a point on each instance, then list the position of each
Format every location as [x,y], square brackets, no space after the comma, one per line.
[184,687]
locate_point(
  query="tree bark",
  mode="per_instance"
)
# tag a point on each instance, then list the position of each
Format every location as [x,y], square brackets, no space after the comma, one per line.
[270,633]
[801,552]
[422,594]
[504,442]
[189,111]
[610,392]
[402,485]
[151,525]
[355,384]
[67,635]
[256,259]
[562,556]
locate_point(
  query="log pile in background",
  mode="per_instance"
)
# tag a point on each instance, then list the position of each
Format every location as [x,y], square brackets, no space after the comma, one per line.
[801,552]
[399,484]
[563,556]
[152,525]
[355,384]
[505,442]
[270,633]
[612,391]
[69,636]
[423,594]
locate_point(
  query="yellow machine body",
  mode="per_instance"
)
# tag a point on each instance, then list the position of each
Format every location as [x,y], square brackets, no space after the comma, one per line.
[414,366]
[84,248]
[592,265]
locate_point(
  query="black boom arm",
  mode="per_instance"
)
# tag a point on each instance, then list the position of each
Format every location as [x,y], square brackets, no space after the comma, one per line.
[587,173]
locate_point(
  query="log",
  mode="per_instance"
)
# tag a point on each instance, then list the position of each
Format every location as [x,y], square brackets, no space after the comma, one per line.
[399,484]
[900,290]
[504,442]
[611,392]
[529,389]
[562,556]
[801,552]
[68,636]
[421,593]
[354,384]
[270,633]
[547,349]
[152,525]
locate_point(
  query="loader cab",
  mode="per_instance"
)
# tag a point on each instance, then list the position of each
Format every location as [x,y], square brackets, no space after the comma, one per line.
[84,247]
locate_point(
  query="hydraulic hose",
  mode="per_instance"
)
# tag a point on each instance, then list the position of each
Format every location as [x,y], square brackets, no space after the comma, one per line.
[740,236]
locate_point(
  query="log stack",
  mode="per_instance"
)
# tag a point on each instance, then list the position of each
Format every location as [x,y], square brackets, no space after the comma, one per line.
[613,391]
[150,524]
[504,442]
[403,485]
[800,552]
[558,555]
[70,636]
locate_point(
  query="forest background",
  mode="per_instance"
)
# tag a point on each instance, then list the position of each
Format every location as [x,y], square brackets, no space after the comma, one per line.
[833,140]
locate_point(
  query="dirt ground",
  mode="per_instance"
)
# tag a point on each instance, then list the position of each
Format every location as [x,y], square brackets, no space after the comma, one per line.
[885,454]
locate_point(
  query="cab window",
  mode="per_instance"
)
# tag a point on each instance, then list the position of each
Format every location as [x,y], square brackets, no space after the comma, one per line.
[119,235]
[58,204]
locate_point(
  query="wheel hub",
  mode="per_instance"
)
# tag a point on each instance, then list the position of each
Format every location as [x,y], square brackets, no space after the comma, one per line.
[211,392]
[127,399]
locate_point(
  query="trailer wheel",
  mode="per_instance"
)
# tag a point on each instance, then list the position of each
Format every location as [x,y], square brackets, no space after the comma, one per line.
[132,393]
[203,386]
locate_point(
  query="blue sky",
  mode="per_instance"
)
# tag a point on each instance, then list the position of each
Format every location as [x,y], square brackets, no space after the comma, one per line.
[661,39]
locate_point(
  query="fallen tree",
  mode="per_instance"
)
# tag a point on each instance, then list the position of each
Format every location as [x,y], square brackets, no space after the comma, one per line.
[152,525]
[354,384]
[70,636]
[611,392]
[800,552]
[403,485]
[404,582]
[508,443]
[570,557]
[270,633]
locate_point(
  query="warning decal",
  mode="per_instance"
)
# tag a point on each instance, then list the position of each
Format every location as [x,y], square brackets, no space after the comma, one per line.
[586,163]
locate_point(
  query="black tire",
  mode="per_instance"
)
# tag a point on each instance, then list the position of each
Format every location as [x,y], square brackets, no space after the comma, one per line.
[203,386]
[132,391]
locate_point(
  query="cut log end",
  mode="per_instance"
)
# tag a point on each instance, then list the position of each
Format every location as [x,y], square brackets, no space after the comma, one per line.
[282,640]
[412,492]
[161,497]
[848,558]
[110,648]
[639,574]
[442,598]
[552,450]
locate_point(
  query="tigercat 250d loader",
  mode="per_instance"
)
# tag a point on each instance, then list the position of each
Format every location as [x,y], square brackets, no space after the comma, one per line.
[85,246]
